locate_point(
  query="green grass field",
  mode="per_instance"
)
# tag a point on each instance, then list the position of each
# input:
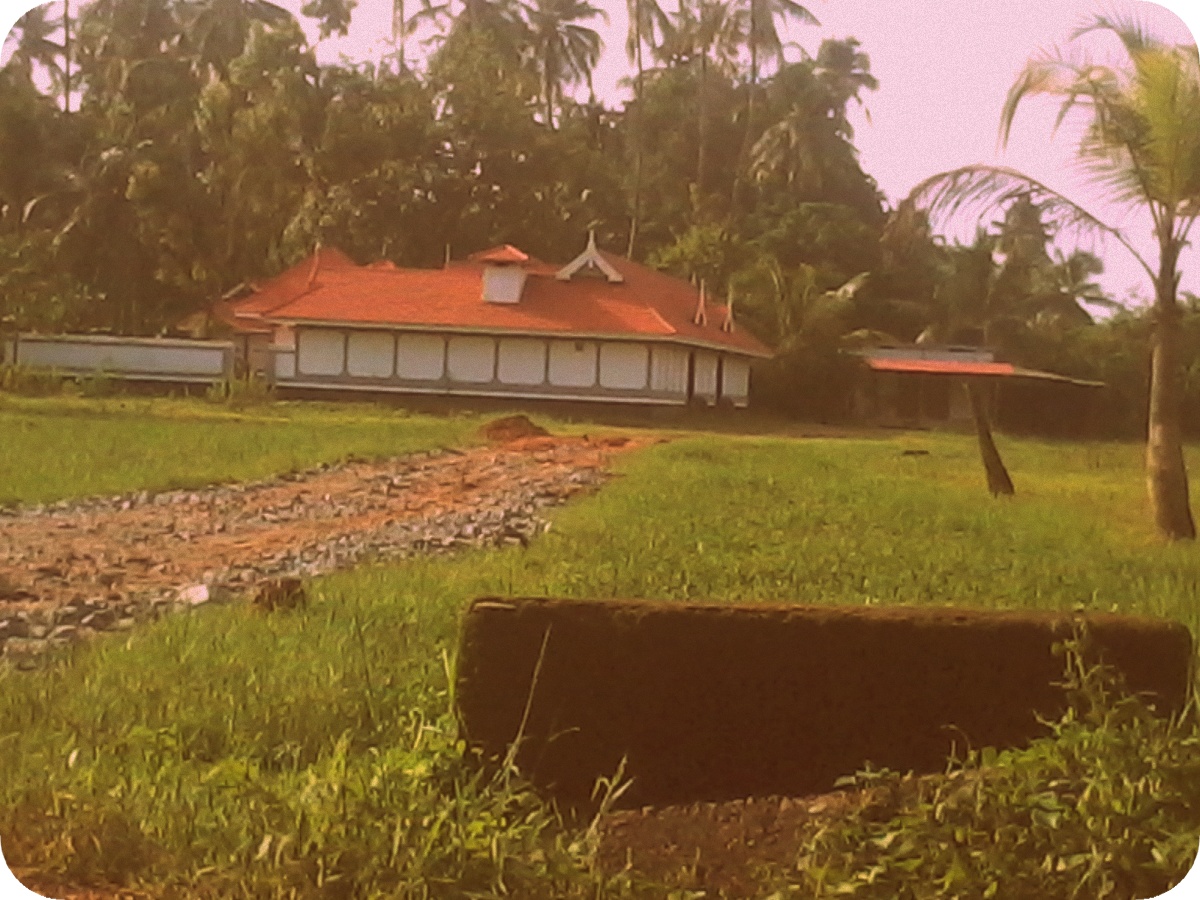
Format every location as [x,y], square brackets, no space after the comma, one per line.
[227,754]
[68,446]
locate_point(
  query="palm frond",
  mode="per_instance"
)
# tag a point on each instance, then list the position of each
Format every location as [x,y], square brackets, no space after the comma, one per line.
[985,189]
[1131,31]
[1056,74]
[1167,98]
[1114,170]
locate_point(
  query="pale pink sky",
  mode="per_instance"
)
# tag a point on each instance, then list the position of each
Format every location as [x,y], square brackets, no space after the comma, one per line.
[944,69]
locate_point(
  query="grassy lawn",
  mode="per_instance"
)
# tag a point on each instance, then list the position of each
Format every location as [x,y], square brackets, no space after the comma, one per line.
[62,447]
[224,753]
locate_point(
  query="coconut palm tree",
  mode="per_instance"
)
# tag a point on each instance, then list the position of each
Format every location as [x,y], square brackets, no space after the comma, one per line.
[33,45]
[845,72]
[565,50]
[216,31]
[1142,146]
[805,152]
[31,42]
[705,34]
[646,24]
[1071,279]
[761,20]
[498,16]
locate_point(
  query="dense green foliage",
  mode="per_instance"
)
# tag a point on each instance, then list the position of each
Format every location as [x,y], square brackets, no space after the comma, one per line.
[204,146]
[228,753]
[176,149]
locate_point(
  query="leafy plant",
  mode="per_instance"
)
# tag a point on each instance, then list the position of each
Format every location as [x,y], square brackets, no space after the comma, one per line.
[1104,806]
[238,393]
[30,382]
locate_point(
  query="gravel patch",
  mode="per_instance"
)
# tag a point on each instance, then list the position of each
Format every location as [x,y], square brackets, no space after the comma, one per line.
[71,569]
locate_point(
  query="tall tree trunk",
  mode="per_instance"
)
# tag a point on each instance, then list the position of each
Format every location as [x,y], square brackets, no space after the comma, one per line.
[66,55]
[638,136]
[398,31]
[998,480]
[550,65]
[1166,472]
[739,177]
[702,137]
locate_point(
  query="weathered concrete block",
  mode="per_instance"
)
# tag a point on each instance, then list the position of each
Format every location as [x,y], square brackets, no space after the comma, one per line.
[715,702]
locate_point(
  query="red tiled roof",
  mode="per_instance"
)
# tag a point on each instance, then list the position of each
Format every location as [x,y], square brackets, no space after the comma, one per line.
[291,283]
[223,311]
[647,304]
[940,366]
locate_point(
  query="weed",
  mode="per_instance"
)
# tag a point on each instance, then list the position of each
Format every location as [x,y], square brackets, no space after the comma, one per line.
[30,382]
[250,390]
[1102,807]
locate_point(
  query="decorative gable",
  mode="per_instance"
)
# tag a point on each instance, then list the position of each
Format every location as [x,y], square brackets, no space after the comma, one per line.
[590,262]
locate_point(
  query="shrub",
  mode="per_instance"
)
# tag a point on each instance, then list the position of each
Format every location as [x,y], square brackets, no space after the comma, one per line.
[1103,807]
[250,390]
[30,382]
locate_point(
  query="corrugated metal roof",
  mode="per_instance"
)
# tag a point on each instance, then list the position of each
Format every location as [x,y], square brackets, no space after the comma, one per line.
[941,366]
[1051,376]
[964,368]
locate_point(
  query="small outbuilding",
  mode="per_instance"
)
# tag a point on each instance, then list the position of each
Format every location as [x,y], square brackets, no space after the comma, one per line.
[923,384]
[499,324]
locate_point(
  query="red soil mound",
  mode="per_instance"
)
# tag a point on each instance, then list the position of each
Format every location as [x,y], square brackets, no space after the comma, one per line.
[511,428]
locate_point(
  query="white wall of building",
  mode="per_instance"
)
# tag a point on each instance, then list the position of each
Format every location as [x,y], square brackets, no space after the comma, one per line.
[668,369]
[471,360]
[285,363]
[522,361]
[371,354]
[735,381]
[706,375]
[420,357]
[623,367]
[573,363]
[517,366]
[503,284]
[320,351]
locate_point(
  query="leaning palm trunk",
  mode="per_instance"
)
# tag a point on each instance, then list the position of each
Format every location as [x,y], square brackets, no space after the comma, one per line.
[997,475]
[1166,473]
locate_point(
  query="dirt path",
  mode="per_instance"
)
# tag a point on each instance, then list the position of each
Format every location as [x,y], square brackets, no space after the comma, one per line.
[100,564]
